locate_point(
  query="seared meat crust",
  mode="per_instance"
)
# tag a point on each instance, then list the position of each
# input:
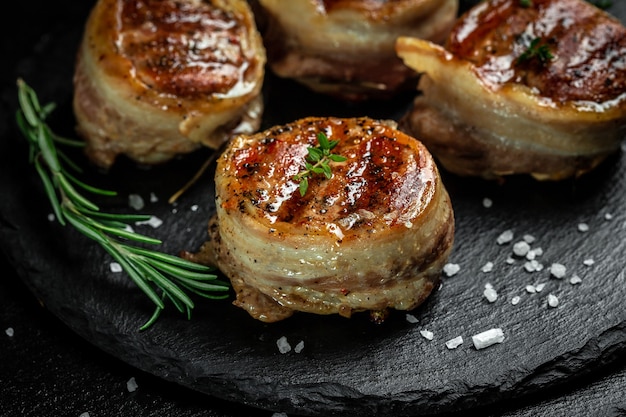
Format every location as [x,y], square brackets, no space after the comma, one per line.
[345,48]
[156,79]
[374,236]
[490,108]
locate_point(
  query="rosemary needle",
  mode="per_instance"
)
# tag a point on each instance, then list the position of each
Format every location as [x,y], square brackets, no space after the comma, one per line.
[160,276]
[207,163]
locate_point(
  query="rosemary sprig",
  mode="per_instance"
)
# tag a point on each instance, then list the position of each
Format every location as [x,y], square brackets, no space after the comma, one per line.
[536,51]
[526,3]
[160,276]
[318,161]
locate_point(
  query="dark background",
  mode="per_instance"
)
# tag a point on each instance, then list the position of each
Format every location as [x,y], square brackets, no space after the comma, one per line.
[47,370]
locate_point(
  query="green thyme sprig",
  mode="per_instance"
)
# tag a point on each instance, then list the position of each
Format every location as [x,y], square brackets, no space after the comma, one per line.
[318,161]
[537,51]
[526,3]
[160,276]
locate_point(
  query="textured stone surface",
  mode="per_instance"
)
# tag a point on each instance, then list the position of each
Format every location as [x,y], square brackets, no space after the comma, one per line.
[347,367]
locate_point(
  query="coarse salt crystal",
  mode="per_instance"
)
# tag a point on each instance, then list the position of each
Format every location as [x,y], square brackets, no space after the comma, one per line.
[529,239]
[487,202]
[283,345]
[194,207]
[427,334]
[533,253]
[488,267]
[583,227]
[135,201]
[510,260]
[174,210]
[505,237]
[51,217]
[411,318]
[451,269]
[131,385]
[454,343]
[533,266]
[531,289]
[589,262]
[9,331]
[553,301]
[558,270]
[115,267]
[608,216]
[515,300]
[153,198]
[299,347]
[575,279]
[521,248]
[153,221]
[490,294]
[488,338]
[540,287]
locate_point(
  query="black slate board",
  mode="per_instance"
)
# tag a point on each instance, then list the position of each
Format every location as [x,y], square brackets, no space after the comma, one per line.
[347,367]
